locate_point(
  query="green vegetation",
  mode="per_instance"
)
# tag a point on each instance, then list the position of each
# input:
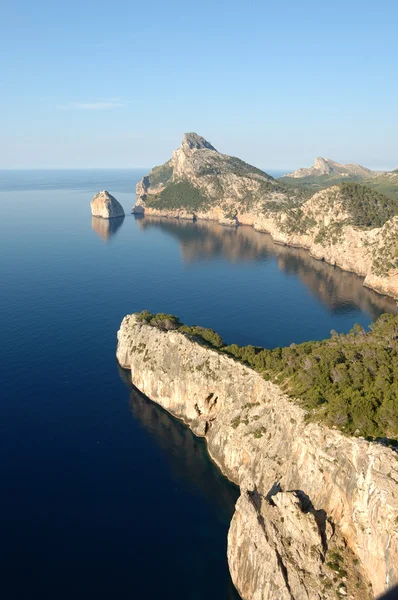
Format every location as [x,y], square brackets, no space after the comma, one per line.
[367,207]
[349,381]
[243,169]
[384,183]
[161,175]
[165,322]
[179,194]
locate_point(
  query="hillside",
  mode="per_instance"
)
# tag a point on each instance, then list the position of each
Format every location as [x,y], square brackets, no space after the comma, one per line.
[199,180]
[326,172]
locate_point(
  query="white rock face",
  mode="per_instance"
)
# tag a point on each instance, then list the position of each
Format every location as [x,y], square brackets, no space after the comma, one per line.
[106,206]
[308,493]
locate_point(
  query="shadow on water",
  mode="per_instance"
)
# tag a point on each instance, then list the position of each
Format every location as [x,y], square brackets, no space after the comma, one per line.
[187,455]
[189,463]
[106,228]
[341,291]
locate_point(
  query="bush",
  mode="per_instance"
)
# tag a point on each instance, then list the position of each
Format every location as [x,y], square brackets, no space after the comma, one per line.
[177,195]
[367,207]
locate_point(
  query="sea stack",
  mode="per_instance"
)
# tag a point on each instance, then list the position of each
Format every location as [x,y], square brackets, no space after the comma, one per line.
[106,206]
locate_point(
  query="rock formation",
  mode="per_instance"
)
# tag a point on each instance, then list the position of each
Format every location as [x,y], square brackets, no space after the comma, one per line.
[326,166]
[106,206]
[200,183]
[318,512]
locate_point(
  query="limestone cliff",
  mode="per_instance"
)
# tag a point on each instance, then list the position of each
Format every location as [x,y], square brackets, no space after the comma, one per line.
[318,512]
[106,206]
[200,183]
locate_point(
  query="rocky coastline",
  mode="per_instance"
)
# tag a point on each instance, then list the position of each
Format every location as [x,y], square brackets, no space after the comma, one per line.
[199,183]
[318,511]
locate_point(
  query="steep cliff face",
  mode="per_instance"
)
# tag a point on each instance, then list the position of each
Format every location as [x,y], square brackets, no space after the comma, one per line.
[318,511]
[200,183]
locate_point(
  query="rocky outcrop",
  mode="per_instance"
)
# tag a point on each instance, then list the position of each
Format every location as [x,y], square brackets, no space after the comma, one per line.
[326,166]
[106,206]
[200,183]
[318,512]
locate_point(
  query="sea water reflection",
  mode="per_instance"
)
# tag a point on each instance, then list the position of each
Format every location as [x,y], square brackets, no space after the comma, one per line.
[190,465]
[341,291]
[106,228]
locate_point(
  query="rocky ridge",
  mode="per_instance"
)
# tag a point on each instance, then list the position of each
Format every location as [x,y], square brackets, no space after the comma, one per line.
[318,511]
[106,206]
[326,172]
[200,183]
[326,166]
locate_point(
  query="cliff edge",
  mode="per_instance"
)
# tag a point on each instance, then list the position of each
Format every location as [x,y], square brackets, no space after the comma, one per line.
[318,512]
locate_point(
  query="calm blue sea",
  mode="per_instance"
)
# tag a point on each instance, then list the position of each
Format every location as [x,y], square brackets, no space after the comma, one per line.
[103,494]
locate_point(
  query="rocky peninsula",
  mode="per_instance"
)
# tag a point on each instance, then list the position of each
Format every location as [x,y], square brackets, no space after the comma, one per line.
[318,511]
[106,206]
[348,225]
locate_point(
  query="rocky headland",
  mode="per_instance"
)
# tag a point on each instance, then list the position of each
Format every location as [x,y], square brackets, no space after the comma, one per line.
[317,517]
[106,206]
[347,225]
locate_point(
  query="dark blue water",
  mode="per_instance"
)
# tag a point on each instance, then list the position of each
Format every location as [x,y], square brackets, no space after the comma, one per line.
[102,493]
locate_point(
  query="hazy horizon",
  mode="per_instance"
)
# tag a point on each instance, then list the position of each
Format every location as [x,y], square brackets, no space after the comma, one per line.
[274,84]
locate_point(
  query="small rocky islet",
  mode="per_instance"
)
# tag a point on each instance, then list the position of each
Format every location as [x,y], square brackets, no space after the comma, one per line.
[105,206]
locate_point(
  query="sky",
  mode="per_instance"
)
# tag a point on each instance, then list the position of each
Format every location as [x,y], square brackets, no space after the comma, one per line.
[99,84]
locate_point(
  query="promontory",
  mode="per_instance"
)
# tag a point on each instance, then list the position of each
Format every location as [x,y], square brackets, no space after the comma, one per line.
[317,518]
[349,225]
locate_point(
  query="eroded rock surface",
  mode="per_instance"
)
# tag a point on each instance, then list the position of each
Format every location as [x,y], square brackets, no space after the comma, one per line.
[106,206]
[315,505]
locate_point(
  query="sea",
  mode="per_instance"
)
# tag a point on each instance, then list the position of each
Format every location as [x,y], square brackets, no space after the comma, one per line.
[104,494]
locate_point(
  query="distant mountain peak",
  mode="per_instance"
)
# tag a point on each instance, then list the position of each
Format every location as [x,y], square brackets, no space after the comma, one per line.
[193,141]
[326,166]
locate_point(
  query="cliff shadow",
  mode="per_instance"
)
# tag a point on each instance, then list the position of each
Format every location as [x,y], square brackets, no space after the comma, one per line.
[185,453]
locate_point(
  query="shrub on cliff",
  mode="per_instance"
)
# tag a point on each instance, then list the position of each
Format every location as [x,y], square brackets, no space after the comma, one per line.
[367,207]
[160,320]
[349,380]
[179,194]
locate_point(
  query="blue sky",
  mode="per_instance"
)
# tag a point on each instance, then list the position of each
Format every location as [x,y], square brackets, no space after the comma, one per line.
[116,84]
